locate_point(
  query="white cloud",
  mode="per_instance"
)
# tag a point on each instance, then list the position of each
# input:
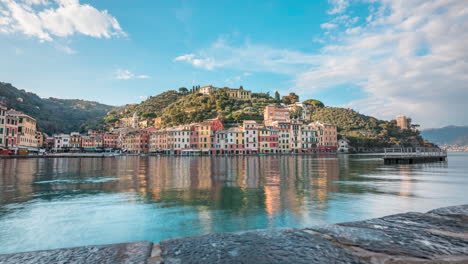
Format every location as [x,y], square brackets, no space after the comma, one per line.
[127,75]
[236,79]
[328,26]
[407,57]
[338,6]
[65,49]
[249,57]
[47,21]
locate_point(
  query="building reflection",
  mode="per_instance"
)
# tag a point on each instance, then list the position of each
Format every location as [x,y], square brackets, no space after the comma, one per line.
[272,189]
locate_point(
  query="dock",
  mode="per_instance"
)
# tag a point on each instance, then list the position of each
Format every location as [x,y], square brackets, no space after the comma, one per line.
[413,155]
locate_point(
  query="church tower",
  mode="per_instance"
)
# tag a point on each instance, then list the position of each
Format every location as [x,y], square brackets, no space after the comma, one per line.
[135,120]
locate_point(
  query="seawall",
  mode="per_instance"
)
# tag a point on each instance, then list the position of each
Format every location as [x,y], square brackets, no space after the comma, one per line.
[438,236]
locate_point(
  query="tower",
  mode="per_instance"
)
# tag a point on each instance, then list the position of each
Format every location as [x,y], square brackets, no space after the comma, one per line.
[135,120]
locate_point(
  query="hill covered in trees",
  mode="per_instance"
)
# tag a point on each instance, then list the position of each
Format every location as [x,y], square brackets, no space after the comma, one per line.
[176,108]
[183,107]
[54,115]
[366,131]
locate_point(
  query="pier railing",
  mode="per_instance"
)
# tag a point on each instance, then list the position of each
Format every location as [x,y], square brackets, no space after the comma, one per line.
[414,152]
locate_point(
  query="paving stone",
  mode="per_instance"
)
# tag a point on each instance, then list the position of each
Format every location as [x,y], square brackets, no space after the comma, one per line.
[125,253]
[266,246]
[426,236]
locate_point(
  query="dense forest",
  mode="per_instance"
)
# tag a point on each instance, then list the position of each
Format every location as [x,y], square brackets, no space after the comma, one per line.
[54,115]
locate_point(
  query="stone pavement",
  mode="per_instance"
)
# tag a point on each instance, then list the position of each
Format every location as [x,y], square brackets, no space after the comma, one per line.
[439,236]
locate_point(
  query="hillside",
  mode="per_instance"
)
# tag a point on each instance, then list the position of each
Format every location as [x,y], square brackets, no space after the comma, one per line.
[366,131]
[54,115]
[181,108]
[184,107]
[457,135]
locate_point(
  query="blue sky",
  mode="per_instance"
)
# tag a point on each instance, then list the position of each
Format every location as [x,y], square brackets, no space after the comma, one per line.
[380,57]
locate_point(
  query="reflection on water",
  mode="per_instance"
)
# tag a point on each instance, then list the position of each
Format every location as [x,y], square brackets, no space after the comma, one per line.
[51,203]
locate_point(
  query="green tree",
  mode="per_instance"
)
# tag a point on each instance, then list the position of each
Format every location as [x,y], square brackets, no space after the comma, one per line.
[296,112]
[183,90]
[148,115]
[277,97]
[315,103]
[290,99]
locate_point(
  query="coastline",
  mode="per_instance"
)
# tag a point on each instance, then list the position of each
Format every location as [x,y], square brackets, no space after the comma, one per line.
[81,155]
[438,236]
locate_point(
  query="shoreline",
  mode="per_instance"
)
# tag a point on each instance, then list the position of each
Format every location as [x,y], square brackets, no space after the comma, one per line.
[81,155]
[438,236]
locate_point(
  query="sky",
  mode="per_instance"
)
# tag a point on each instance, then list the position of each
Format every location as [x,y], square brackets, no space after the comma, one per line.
[380,57]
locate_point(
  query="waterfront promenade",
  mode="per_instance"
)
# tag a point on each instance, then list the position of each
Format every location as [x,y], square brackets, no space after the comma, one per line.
[438,236]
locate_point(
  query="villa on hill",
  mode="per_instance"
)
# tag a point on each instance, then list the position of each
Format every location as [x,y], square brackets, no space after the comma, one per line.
[232,92]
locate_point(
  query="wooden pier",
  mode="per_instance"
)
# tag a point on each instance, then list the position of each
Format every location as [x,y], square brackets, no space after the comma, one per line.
[413,155]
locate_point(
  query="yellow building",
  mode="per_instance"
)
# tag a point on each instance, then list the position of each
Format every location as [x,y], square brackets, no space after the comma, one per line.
[232,92]
[239,93]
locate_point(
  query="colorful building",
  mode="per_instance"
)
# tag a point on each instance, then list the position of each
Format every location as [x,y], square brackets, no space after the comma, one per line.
[11,132]
[251,136]
[273,113]
[61,142]
[327,136]
[75,141]
[3,110]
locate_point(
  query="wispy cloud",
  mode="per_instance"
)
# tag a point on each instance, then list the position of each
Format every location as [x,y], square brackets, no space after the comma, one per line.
[250,57]
[407,56]
[127,75]
[236,79]
[337,6]
[328,26]
[47,20]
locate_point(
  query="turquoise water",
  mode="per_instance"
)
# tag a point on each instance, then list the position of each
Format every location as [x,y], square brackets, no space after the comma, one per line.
[54,203]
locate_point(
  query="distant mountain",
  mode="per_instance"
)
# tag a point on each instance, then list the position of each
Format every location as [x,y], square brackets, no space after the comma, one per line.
[447,135]
[54,115]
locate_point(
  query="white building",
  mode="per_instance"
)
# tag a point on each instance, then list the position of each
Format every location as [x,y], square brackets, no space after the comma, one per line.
[343,145]
[61,141]
[251,136]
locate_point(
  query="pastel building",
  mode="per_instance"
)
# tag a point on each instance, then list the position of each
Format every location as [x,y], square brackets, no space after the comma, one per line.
[327,136]
[110,140]
[11,131]
[3,110]
[75,141]
[61,142]
[268,140]
[273,113]
[251,136]
[231,92]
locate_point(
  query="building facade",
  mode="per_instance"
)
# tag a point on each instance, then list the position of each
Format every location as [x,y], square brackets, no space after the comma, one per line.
[273,113]
[3,111]
[327,136]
